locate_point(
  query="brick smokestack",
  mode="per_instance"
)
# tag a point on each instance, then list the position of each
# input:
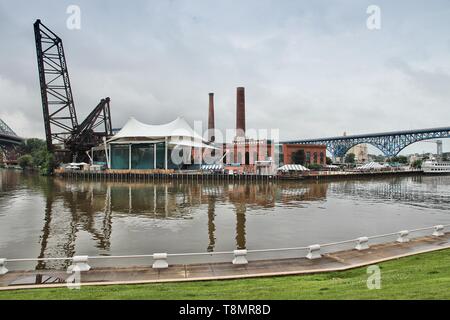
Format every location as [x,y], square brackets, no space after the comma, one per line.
[240,112]
[211,127]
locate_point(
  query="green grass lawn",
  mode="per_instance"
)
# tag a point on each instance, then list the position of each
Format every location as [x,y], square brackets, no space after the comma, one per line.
[425,276]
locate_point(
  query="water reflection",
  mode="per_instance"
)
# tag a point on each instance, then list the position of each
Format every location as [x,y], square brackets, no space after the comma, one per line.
[76,213]
[419,191]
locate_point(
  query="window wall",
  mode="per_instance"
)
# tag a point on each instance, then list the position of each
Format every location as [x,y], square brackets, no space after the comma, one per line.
[143,156]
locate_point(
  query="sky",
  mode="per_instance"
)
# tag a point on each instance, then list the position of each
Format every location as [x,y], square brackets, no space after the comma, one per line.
[310,69]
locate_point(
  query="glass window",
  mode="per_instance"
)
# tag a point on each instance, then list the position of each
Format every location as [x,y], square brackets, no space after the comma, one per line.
[142,156]
[119,156]
[160,157]
[239,159]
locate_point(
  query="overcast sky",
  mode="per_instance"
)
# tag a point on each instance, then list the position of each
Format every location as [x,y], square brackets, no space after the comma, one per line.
[311,70]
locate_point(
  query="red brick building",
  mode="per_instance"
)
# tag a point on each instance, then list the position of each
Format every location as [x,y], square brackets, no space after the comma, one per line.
[313,154]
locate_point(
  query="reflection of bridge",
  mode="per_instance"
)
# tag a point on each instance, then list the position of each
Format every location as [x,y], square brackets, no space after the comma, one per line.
[390,143]
[8,142]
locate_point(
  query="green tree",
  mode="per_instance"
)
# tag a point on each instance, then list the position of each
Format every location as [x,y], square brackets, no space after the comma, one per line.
[298,157]
[417,164]
[35,155]
[402,159]
[314,166]
[350,158]
[25,161]
[329,161]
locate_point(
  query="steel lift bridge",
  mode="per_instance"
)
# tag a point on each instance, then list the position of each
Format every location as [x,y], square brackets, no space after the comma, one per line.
[390,143]
[9,141]
[65,136]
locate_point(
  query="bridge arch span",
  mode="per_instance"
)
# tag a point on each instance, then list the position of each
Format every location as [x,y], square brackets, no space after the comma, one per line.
[390,143]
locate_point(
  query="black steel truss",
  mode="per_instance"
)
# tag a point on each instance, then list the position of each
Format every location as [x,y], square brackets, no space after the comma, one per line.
[63,133]
[60,117]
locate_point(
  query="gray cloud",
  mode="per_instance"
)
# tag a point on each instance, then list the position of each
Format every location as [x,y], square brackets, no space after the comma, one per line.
[311,70]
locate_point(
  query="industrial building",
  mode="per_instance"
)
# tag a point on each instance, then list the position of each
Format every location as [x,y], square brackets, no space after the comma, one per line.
[140,146]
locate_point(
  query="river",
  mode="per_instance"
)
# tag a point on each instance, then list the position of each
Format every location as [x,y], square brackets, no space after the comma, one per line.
[52,217]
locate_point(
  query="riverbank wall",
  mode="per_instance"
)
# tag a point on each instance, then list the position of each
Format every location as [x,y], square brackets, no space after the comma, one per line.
[154,176]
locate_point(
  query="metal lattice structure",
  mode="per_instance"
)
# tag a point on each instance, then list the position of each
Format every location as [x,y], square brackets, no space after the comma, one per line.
[62,130]
[8,136]
[9,141]
[390,143]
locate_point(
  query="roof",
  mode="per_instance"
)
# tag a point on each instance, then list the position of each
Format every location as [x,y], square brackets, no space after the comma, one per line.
[178,131]
[212,167]
[371,165]
[293,167]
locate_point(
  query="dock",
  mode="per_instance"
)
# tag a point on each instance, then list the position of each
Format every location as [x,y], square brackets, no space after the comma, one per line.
[162,175]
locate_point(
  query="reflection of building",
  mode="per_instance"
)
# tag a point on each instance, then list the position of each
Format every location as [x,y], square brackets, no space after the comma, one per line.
[311,154]
[360,151]
[76,207]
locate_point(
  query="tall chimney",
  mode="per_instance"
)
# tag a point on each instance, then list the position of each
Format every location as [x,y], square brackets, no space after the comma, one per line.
[211,128]
[240,112]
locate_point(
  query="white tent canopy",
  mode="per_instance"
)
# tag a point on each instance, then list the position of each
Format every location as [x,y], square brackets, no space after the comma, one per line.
[178,132]
[371,166]
[292,167]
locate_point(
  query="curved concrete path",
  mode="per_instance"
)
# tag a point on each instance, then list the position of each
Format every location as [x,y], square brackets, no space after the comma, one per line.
[337,261]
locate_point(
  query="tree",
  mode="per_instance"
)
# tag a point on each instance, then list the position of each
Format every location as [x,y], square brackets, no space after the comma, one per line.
[329,161]
[402,159]
[298,157]
[350,158]
[35,155]
[417,164]
[25,161]
[314,166]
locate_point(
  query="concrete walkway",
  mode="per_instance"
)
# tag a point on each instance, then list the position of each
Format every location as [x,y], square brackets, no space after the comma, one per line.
[337,261]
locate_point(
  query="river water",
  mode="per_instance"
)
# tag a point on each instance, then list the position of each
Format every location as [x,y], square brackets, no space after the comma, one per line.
[52,217]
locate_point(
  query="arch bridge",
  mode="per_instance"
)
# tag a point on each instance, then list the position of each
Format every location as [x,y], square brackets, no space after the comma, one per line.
[390,143]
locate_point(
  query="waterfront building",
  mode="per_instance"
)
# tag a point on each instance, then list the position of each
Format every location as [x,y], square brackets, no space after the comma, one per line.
[142,146]
[311,153]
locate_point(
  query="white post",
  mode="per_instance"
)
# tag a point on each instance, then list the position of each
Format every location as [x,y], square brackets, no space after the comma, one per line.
[403,236]
[362,243]
[314,252]
[165,153]
[3,269]
[240,257]
[438,230]
[81,262]
[108,154]
[160,261]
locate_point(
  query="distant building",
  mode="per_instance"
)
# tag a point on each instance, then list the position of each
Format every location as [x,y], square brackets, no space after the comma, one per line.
[361,153]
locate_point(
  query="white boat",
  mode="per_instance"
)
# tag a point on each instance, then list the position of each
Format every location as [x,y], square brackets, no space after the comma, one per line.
[434,166]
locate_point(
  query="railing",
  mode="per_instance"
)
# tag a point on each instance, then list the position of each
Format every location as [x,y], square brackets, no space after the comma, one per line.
[80,263]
